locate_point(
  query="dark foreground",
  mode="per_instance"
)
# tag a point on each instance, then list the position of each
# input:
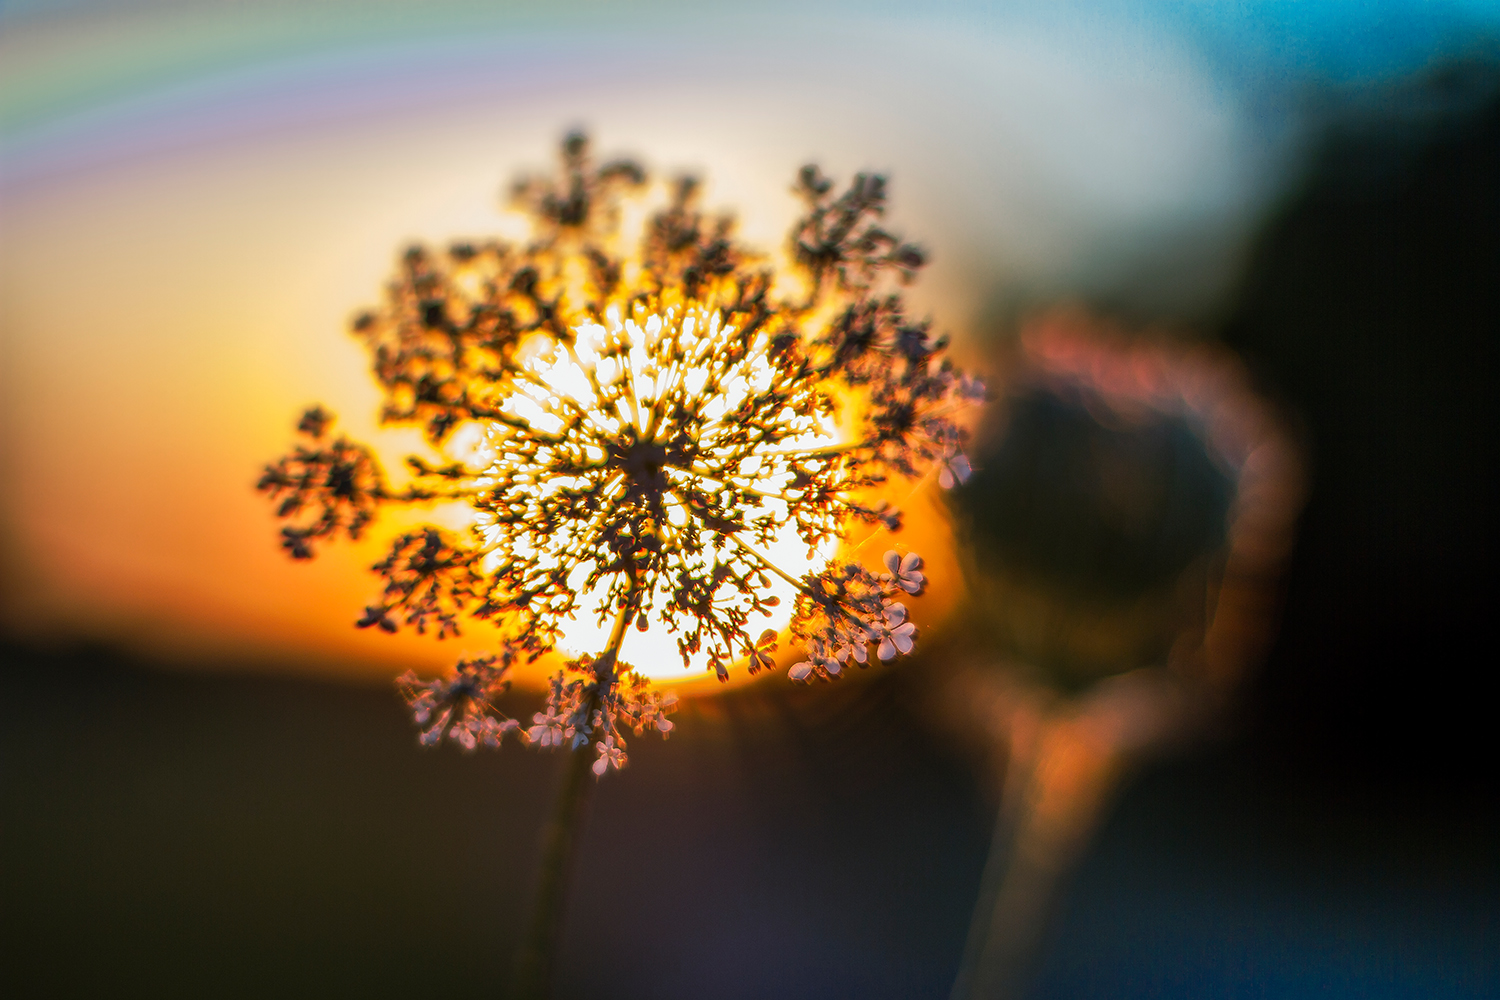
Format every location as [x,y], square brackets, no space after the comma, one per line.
[231,836]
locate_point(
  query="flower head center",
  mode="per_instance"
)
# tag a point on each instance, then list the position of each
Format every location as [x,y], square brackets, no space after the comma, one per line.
[645,463]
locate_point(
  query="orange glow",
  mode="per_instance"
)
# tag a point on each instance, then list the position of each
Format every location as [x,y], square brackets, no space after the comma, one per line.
[141,404]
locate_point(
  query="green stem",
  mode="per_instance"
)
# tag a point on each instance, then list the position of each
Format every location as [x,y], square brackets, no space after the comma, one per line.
[538,955]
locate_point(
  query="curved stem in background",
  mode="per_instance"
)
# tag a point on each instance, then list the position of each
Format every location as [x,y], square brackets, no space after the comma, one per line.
[538,955]
[1053,798]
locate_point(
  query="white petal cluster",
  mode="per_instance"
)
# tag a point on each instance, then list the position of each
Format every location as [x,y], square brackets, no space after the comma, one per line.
[906,571]
[856,611]
[459,706]
[897,634]
[589,701]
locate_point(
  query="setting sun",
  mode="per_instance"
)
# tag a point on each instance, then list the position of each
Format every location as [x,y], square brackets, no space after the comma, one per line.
[621,352]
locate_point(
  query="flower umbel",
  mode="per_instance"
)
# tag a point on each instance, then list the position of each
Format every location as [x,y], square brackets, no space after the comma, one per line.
[638,431]
[459,705]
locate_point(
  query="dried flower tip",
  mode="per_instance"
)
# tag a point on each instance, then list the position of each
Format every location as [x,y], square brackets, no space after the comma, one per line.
[314,422]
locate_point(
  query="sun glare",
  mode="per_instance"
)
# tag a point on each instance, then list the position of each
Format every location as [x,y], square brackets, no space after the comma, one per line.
[617,375]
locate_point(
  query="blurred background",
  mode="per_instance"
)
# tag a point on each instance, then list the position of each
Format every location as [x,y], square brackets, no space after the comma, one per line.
[208,784]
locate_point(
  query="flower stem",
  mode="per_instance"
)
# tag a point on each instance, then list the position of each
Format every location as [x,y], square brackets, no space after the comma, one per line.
[1054,796]
[535,961]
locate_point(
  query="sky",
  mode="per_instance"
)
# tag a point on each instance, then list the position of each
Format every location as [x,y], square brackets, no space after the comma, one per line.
[195,198]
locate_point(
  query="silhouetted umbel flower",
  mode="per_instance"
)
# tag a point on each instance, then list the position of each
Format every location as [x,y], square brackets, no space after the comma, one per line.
[648,427]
